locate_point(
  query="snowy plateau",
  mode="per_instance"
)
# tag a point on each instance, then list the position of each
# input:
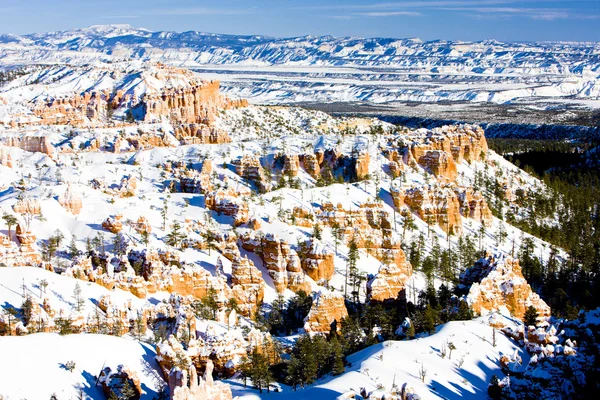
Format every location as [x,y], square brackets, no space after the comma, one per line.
[168,236]
[269,70]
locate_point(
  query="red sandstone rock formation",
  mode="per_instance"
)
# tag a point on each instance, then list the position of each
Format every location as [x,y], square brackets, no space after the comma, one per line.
[27,205]
[317,262]
[282,262]
[248,285]
[388,284]
[70,201]
[34,144]
[311,165]
[291,165]
[113,225]
[440,163]
[474,206]
[249,168]
[495,283]
[362,164]
[200,134]
[327,310]
[28,248]
[197,389]
[227,202]
[436,204]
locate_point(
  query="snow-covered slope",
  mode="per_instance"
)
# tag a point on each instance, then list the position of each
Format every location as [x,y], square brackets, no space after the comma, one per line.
[462,374]
[35,366]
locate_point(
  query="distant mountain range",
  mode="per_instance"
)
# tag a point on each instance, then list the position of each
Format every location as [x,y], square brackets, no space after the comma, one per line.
[326,68]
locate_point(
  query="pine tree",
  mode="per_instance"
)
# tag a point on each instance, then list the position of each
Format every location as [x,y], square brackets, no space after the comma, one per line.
[276,316]
[429,319]
[145,235]
[351,269]
[175,237]
[317,231]
[10,221]
[337,352]
[79,300]
[210,304]
[26,309]
[119,244]
[530,317]
[73,250]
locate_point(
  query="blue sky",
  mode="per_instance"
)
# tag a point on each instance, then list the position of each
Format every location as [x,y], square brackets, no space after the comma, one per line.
[427,19]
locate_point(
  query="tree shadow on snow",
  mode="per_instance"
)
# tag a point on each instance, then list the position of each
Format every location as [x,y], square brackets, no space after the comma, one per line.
[89,388]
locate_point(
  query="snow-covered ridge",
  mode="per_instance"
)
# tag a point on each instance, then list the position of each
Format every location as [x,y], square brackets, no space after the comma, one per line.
[326,68]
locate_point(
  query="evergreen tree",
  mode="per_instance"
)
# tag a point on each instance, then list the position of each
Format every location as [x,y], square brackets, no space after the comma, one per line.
[26,310]
[175,237]
[530,317]
[209,305]
[145,236]
[352,272]
[317,231]
[79,300]
[276,316]
[73,250]
[10,221]
[429,319]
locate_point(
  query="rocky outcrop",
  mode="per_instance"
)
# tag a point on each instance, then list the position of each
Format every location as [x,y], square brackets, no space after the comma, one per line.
[443,203]
[440,163]
[436,204]
[142,226]
[249,168]
[311,165]
[196,102]
[27,205]
[200,134]
[248,285]
[227,202]
[474,206]
[28,248]
[113,224]
[495,282]
[388,284]
[192,181]
[70,201]
[361,165]
[126,188]
[281,261]
[291,165]
[34,144]
[317,261]
[197,388]
[327,311]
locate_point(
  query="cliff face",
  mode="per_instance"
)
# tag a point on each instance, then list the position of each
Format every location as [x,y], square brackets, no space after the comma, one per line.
[493,283]
[228,203]
[249,167]
[154,93]
[282,262]
[248,285]
[327,312]
[443,203]
[34,144]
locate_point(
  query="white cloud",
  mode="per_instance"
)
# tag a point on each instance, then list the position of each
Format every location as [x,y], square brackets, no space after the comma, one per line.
[390,13]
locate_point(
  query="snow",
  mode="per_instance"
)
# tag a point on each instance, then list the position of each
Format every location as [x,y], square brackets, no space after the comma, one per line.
[324,69]
[35,365]
[465,375]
